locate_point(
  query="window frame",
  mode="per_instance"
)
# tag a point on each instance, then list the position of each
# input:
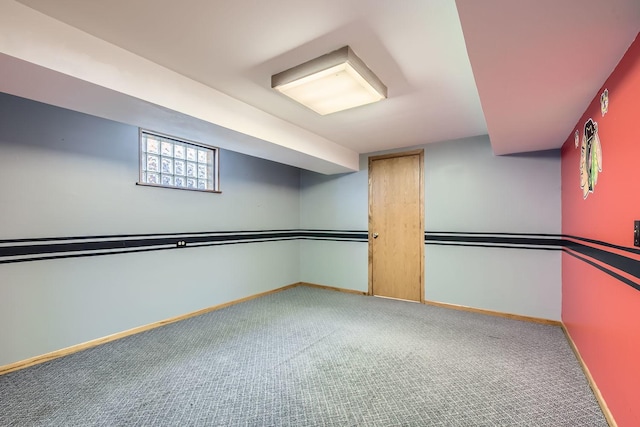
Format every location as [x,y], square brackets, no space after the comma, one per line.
[215,153]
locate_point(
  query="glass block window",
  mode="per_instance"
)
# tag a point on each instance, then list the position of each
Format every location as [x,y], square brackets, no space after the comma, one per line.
[166,161]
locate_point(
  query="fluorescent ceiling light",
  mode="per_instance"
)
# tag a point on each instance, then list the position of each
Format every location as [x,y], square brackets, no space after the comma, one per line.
[333,82]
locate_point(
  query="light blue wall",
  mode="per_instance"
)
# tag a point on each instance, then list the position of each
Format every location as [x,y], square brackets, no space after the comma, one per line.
[67,174]
[337,202]
[74,174]
[467,189]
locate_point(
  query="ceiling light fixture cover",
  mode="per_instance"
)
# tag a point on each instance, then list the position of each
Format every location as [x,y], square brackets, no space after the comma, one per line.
[333,82]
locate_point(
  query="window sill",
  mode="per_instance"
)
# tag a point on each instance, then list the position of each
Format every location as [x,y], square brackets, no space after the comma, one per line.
[143,184]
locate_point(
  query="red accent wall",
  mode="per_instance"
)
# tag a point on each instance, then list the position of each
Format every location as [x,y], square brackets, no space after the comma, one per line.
[602,312]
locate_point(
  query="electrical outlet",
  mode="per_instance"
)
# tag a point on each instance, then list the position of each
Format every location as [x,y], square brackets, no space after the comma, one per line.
[636,233]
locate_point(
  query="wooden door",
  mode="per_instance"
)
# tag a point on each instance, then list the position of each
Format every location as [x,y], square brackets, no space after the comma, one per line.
[396,225]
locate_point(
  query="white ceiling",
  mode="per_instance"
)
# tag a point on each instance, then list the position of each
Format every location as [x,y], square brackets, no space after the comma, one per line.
[536,66]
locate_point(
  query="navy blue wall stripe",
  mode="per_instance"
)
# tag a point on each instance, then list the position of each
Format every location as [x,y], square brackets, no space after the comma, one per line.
[619,262]
[606,270]
[359,233]
[36,249]
[22,250]
[601,243]
[480,245]
[473,233]
[494,239]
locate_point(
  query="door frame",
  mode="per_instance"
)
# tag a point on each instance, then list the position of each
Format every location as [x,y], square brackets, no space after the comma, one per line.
[420,154]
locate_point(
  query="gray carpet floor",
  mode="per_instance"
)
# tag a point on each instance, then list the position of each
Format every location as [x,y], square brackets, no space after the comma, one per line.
[311,357]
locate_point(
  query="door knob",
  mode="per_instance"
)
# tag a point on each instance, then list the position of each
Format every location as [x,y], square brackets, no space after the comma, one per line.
[375,235]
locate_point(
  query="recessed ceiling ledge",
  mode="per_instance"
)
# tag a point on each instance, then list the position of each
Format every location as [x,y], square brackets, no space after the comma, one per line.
[29,37]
